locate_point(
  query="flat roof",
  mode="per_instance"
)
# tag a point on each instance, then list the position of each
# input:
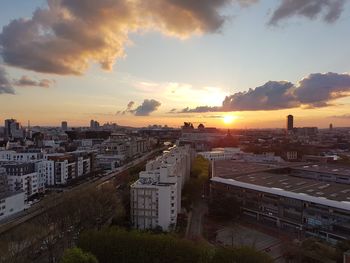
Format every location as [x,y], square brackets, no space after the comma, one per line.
[232,168]
[265,176]
[326,168]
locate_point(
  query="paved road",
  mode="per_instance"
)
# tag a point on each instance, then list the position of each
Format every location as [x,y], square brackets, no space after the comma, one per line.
[55,199]
[200,208]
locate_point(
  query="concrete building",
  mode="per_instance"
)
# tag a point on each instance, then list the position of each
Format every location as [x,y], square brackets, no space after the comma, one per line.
[64,126]
[232,153]
[3,182]
[13,130]
[46,174]
[10,202]
[94,124]
[201,138]
[156,196]
[69,166]
[290,123]
[22,177]
[304,199]
[22,156]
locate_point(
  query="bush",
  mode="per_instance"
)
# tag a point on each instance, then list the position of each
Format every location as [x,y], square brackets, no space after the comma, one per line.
[118,245]
[76,255]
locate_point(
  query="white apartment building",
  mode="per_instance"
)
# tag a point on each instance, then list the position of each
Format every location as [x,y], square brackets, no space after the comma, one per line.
[11,203]
[20,157]
[46,173]
[22,177]
[68,166]
[156,196]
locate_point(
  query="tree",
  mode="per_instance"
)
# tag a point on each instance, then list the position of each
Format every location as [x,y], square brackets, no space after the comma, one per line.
[241,255]
[119,245]
[76,255]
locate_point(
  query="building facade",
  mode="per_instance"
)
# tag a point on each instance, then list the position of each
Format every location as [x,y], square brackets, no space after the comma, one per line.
[156,196]
[287,197]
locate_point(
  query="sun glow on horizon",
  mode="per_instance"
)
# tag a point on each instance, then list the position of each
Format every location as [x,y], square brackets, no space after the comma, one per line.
[228,119]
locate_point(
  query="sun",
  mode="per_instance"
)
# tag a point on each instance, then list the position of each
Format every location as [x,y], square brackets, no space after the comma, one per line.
[228,119]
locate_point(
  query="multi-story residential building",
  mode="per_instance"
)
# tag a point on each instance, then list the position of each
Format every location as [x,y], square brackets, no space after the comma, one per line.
[10,202]
[306,199]
[22,177]
[3,181]
[69,166]
[46,174]
[22,156]
[156,196]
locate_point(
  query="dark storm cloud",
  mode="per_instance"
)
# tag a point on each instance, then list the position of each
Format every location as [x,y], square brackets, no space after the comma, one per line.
[329,9]
[147,107]
[26,81]
[5,84]
[314,91]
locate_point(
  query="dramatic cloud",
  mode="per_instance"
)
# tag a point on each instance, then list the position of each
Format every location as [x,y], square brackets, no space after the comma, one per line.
[147,107]
[69,34]
[330,9]
[26,81]
[5,85]
[271,96]
[316,90]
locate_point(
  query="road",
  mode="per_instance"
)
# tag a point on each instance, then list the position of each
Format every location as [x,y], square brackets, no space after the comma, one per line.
[55,199]
[200,208]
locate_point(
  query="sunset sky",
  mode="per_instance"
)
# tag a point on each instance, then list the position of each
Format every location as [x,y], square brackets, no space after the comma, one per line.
[163,62]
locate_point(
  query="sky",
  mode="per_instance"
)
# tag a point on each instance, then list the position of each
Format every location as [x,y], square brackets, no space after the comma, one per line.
[224,63]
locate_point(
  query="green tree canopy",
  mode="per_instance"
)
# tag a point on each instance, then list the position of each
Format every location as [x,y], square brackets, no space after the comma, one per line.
[76,255]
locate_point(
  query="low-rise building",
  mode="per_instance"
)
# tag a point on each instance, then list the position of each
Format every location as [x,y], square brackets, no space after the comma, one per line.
[287,196]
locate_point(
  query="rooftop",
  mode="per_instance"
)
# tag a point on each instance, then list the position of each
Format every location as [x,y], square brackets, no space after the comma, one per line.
[274,177]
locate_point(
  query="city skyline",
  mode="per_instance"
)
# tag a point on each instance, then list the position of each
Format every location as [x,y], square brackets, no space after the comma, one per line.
[240,64]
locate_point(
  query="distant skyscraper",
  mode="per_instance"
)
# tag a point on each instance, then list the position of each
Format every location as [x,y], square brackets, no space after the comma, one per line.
[13,129]
[94,124]
[290,122]
[64,125]
[331,127]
